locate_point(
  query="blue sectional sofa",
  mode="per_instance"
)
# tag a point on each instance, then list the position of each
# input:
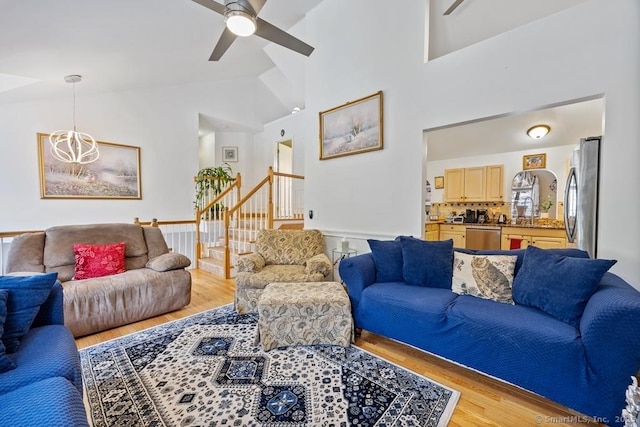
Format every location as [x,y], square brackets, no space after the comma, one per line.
[45,387]
[582,362]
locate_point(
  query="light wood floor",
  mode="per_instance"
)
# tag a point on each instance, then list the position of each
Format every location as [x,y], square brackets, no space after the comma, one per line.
[483,401]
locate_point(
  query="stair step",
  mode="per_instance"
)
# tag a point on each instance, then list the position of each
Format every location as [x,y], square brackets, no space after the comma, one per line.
[235,246]
[217,253]
[243,234]
[214,266]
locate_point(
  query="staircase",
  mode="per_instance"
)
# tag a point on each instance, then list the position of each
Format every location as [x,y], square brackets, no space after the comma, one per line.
[241,241]
[275,202]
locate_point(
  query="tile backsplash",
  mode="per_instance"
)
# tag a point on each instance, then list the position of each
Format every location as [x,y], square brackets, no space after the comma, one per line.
[494,209]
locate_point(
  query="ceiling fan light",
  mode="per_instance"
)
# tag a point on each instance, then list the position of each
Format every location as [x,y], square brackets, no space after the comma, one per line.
[538,131]
[240,23]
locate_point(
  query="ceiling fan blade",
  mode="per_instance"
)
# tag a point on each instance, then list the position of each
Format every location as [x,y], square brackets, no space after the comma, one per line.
[256,5]
[213,5]
[225,41]
[276,35]
[453,7]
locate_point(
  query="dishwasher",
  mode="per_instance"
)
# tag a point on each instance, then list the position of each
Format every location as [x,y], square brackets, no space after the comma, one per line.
[483,237]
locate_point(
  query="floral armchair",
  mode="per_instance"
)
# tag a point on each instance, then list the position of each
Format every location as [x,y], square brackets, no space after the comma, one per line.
[279,256]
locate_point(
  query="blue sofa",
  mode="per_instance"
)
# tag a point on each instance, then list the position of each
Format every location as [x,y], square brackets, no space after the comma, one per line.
[585,366]
[45,387]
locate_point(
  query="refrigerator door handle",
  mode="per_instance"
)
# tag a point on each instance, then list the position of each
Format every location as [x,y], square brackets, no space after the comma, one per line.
[570,205]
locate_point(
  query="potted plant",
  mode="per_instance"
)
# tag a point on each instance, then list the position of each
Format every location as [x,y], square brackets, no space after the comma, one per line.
[210,182]
[545,205]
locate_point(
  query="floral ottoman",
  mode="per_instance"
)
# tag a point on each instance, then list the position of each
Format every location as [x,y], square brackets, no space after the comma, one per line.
[304,314]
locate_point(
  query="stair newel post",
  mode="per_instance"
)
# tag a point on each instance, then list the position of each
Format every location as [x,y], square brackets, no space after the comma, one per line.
[270,200]
[238,184]
[227,251]
[198,242]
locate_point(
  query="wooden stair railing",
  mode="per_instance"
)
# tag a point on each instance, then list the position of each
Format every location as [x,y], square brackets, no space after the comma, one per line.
[275,199]
[214,211]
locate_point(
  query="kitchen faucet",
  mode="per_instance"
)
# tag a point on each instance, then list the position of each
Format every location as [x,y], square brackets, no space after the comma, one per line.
[530,200]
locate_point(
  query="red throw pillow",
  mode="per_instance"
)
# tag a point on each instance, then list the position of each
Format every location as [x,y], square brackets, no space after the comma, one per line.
[98,260]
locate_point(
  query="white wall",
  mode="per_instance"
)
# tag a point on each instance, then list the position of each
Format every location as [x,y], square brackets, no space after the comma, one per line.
[377,192]
[166,133]
[584,51]
[265,143]
[244,142]
[162,121]
[207,151]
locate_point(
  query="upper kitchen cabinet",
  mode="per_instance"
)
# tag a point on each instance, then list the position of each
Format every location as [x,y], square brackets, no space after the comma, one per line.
[495,183]
[465,185]
[454,185]
[476,184]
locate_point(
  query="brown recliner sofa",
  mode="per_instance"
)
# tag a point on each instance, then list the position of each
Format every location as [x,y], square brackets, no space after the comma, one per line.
[155,280]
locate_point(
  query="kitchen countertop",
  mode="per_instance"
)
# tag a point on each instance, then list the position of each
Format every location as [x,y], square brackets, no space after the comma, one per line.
[546,224]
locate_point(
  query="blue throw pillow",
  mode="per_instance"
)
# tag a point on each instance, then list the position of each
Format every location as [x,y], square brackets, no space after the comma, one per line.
[427,263]
[572,252]
[26,294]
[387,257]
[556,284]
[6,364]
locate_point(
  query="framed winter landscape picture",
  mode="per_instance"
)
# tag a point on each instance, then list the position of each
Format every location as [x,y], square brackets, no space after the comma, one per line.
[115,175]
[353,128]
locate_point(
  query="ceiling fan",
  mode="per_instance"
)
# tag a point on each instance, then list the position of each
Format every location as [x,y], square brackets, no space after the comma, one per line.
[453,7]
[241,19]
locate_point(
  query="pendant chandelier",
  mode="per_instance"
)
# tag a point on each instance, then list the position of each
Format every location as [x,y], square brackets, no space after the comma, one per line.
[71,146]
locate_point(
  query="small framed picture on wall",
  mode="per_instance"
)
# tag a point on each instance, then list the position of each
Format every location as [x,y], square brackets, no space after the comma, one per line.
[534,161]
[229,154]
[439,182]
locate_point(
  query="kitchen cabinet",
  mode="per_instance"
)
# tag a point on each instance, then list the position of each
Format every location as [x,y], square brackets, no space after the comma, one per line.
[432,232]
[455,232]
[476,184]
[495,183]
[454,185]
[521,237]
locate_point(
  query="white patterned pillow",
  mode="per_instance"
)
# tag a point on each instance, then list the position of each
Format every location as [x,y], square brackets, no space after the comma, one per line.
[484,276]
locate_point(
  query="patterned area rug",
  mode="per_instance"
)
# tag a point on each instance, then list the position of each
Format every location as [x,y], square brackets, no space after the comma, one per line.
[205,370]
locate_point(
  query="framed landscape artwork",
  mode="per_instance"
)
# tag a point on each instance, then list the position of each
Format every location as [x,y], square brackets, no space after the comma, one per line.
[534,161]
[353,128]
[115,175]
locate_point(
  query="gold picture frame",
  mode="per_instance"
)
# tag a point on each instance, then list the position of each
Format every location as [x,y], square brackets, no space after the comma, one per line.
[534,161]
[115,175]
[352,128]
[439,182]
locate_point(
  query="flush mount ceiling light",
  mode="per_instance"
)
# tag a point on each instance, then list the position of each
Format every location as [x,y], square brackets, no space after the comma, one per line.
[71,146]
[538,131]
[239,21]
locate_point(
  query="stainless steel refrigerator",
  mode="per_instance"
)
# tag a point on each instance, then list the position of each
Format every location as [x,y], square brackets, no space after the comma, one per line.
[581,195]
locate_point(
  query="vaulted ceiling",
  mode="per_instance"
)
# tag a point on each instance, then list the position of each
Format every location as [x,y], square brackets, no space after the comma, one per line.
[120,45]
